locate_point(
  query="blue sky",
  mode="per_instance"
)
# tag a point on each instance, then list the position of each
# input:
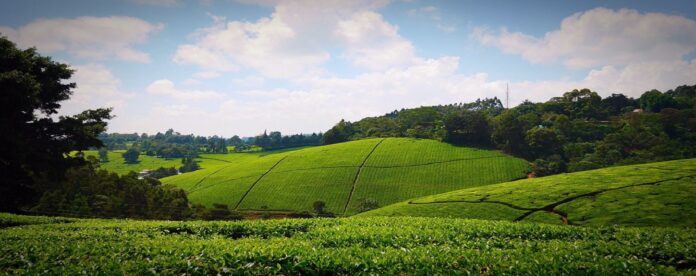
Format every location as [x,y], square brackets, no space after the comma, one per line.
[238,67]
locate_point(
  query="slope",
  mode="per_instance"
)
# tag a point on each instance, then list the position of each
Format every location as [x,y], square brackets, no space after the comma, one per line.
[385,170]
[642,195]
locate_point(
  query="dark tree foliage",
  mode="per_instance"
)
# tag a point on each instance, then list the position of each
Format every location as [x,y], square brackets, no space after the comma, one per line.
[367,204]
[319,207]
[508,132]
[469,128]
[163,172]
[654,101]
[188,165]
[87,191]
[275,140]
[103,155]
[616,104]
[131,155]
[422,122]
[35,144]
[341,132]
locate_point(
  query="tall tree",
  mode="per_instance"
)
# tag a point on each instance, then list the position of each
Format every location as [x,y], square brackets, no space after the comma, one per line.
[35,144]
[467,128]
[103,155]
[131,155]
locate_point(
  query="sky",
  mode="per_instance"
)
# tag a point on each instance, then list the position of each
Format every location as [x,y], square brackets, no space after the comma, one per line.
[225,67]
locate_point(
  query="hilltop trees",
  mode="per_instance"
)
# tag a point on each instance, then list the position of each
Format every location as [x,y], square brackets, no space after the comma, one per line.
[341,132]
[36,144]
[579,130]
[467,128]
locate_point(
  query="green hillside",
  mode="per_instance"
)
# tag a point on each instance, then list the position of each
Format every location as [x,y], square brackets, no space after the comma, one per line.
[648,194]
[350,246]
[342,175]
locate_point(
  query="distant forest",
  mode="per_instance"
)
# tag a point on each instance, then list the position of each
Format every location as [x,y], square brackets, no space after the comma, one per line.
[577,131]
[172,144]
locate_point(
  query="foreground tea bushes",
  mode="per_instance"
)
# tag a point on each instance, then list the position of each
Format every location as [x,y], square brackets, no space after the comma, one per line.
[342,246]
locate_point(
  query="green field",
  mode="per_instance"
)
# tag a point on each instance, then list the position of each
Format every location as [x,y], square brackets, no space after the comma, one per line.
[118,165]
[342,175]
[38,245]
[641,195]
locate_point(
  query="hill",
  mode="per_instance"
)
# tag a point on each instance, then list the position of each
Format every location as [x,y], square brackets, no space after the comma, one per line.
[644,195]
[39,245]
[385,170]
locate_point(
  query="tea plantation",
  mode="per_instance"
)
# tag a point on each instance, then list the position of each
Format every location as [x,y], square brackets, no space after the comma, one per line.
[36,245]
[343,175]
[650,194]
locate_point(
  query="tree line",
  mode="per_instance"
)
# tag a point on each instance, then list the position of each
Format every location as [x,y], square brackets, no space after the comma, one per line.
[577,131]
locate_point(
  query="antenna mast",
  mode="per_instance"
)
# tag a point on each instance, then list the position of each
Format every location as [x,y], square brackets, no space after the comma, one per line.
[507,95]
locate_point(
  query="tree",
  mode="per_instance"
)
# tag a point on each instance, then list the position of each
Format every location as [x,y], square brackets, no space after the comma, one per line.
[508,132]
[617,103]
[578,104]
[341,132]
[189,165]
[36,144]
[367,204]
[103,155]
[467,128]
[655,101]
[543,141]
[319,207]
[554,164]
[131,155]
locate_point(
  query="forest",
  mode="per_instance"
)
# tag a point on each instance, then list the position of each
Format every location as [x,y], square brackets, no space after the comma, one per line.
[577,131]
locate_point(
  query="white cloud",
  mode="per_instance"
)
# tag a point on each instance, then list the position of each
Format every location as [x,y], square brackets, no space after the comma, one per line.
[205,58]
[87,37]
[249,81]
[96,87]
[167,88]
[433,13]
[373,43]
[191,81]
[297,38]
[206,75]
[292,43]
[321,101]
[601,37]
[636,78]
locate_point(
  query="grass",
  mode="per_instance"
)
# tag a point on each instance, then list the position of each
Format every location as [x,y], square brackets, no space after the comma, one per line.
[338,246]
[641,195]
[118,165]
[385,170]
[297,190]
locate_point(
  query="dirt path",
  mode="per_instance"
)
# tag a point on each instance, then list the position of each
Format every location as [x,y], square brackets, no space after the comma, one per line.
[357,175]
[257,181]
